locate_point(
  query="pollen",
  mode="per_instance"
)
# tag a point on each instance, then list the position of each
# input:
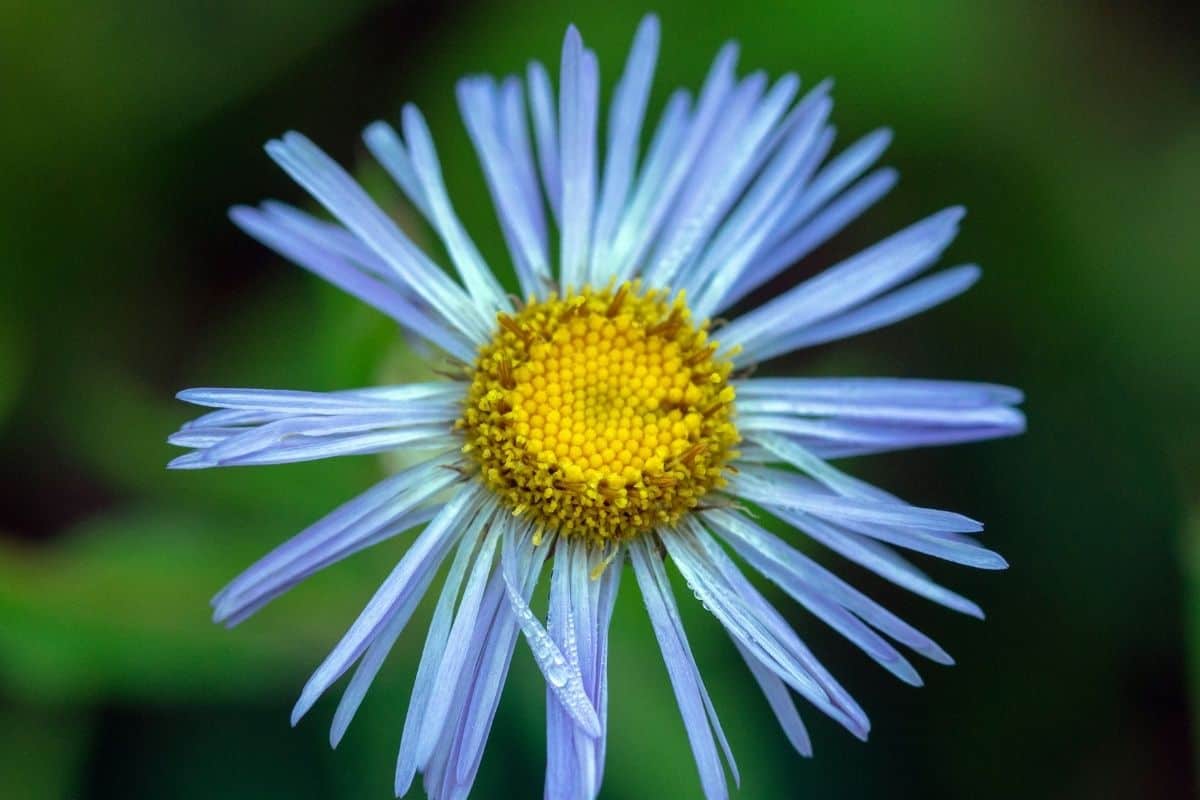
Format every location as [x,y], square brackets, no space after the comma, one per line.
[601,414]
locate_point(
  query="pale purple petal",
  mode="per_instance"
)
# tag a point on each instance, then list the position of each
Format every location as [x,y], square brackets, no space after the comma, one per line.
[882,411]
[755,624]
[605,602]
[816,588]
[451,770]
[877,557]
[391,507]
[455,653]
[569,773]
[748,227]
[579,93]
[312,448]
[780,700]
[624,129]
[514,131]
[334,268]
[243,441]
[234,610]
[839,438]
[727,165]
[641,226]
[923,530]
[372,660]
[575,762]
[440,771]
[906,391]
[424,555]
[899,305]
[475,273]
[660,158]
[385,144]
[837,174]
[529,562]
[520,215]
[331,237]
[545,132]
[562,676]
[789,249]
[855,280]
[431,659]
[681,666]
[346,200]
[785,489]
[375,398]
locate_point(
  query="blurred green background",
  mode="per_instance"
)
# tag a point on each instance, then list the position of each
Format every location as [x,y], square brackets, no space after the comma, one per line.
[1070,131]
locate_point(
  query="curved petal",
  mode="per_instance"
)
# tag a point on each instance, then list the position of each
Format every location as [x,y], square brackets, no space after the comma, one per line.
[562,671]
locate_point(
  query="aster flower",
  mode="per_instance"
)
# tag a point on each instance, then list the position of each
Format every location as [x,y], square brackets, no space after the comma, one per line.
[600,420]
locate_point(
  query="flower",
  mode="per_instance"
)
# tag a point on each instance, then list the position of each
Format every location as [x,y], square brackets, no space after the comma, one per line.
[600,419]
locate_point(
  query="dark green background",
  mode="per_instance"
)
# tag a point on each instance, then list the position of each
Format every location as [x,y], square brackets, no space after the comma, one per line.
[1071,132]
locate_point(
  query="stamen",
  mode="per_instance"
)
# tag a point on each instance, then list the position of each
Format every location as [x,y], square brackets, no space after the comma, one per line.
[617,301]
[510,325]
[505,370]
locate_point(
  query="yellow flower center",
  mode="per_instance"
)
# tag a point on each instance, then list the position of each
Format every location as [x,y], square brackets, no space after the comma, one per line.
[602,414]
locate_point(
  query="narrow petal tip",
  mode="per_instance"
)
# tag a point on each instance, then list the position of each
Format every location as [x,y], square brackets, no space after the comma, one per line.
[991,560]
[376,131]
[573,39]
[888,177]
[883,137]
[953,215]
[967,275]
[860,729]
[410,115]
[931,650]
[301,708]
[189,461]
[296,139]
[242,215]
[223,610]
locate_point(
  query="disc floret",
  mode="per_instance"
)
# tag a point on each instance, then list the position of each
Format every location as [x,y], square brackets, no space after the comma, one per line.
[602,413]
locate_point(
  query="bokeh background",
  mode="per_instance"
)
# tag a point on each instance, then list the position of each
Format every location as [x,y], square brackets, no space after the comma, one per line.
[1071,131]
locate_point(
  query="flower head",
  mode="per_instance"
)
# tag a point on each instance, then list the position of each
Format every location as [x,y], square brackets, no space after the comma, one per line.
[600,420]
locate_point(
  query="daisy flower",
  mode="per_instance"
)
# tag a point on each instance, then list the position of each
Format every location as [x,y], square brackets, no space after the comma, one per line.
[599,419]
